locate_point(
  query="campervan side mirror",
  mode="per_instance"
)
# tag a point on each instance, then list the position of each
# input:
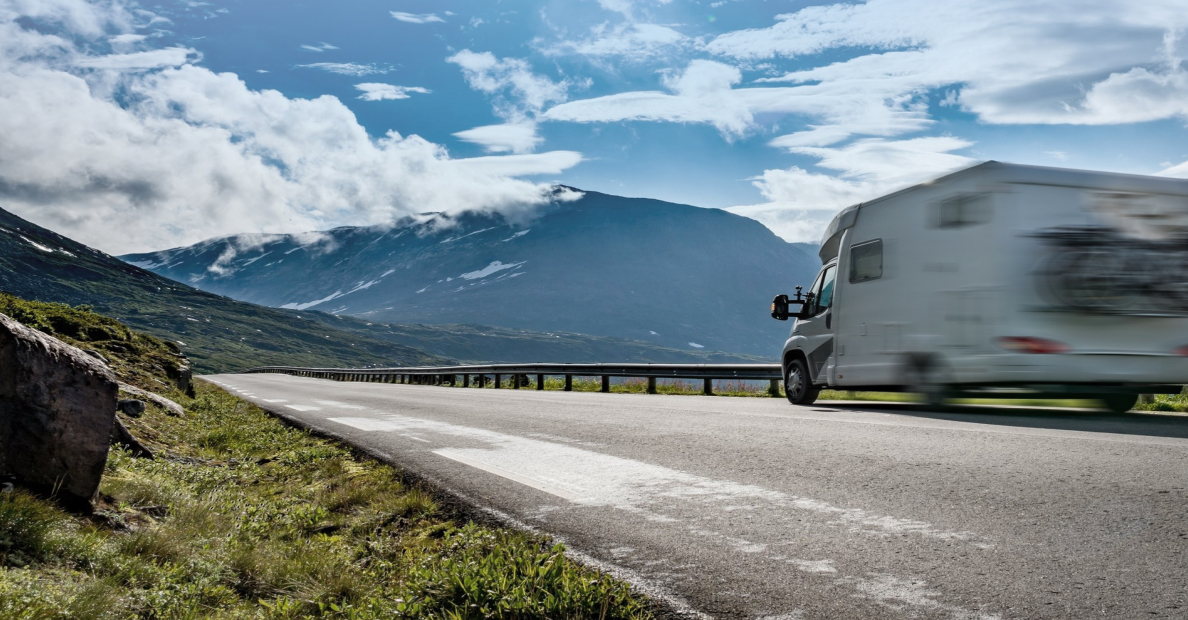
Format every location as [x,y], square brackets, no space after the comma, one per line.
[779,308]
[780,305]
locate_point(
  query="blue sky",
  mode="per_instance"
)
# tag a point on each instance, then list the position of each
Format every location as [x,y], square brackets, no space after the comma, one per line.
[142,126]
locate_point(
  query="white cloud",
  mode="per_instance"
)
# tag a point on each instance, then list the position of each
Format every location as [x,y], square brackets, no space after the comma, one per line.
[413,18]
[553,162]
[509,137]
[193,154]
[320,47]
[801,203]
[702,94]
[373,91]
[152,59]
[519,93]
[627,41]
[625,7]
[347,68]
[706,93]
[1086,62]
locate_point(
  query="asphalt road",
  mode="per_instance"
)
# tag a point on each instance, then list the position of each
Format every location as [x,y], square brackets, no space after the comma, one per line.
[753,508]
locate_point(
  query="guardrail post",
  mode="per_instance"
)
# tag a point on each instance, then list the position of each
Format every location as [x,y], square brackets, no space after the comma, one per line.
[497,379]
[605,383]
[707,387]
[465,380]
[568,383]
[774,388]
[540,382]
[651,385]
[515,382]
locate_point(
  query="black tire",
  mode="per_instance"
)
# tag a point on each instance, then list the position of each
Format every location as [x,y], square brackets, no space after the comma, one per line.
[922,377]
[798,384]
[1118,403]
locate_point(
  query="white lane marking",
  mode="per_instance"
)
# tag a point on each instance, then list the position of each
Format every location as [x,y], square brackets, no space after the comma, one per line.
[303,408]
[415,437]
[368,424]
[605,480]
[893,593]
[338,405]
[540,485]
[275,400]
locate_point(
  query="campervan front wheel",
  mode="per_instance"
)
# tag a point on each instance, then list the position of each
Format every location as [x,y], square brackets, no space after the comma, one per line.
[798,386]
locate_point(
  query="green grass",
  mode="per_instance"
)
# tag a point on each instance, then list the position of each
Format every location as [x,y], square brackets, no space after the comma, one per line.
[243,517]
[1169,403]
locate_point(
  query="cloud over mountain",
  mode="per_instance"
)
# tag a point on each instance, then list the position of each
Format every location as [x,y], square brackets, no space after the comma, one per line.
[144,149]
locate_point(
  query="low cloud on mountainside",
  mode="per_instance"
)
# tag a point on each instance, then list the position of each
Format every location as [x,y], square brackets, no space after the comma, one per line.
[144,149]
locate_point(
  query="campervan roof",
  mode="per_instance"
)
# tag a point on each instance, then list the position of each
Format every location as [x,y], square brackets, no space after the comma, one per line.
[1172,220]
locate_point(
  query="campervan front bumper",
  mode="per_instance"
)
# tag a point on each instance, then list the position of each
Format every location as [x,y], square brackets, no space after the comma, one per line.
[1087,368]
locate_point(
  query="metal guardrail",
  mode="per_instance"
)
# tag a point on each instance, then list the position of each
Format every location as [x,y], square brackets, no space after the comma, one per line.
[519,373]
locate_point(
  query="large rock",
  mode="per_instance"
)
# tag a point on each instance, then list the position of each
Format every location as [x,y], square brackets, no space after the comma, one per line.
[57,410]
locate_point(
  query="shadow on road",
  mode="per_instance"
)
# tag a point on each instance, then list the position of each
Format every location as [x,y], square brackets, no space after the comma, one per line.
[1134,423]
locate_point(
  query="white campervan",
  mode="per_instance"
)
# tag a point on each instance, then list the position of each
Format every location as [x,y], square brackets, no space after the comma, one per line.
[996,280]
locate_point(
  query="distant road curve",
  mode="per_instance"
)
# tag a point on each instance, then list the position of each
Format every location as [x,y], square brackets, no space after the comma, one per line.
[752,508]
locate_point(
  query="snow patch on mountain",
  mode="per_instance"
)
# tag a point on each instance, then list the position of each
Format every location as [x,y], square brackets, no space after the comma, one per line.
[362,286]
[696,346]
[494,267]
[310,304]
[143,264]
[467,235]
[38,245]
[252,260]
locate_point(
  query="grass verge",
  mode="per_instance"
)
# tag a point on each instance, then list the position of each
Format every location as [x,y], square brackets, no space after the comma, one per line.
[241,516]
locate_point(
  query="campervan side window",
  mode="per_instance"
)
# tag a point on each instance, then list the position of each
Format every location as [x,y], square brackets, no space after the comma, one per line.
[963,210]
[866,261]
[823,291]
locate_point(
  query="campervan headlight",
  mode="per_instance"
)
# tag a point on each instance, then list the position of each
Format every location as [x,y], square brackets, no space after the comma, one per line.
[1029,344]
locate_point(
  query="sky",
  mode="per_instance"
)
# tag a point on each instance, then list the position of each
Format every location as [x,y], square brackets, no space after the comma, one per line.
[135,127]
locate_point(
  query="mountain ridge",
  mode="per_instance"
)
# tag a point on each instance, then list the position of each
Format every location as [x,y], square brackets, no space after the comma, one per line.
[220,334]
[672,275]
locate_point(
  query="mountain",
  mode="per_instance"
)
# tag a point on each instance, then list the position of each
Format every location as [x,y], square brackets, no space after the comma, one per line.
[217,334]
[673,275]
[483,343]
[220,334]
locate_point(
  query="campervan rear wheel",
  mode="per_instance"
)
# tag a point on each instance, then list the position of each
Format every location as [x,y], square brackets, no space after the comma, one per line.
[922,376]
[1119,403]
[798,386]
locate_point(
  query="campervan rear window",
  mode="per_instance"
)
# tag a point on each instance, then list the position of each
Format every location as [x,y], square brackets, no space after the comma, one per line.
[866,261]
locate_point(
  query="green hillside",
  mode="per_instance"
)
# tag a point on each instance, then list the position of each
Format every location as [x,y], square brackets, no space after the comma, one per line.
[217,334]
[220,334]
